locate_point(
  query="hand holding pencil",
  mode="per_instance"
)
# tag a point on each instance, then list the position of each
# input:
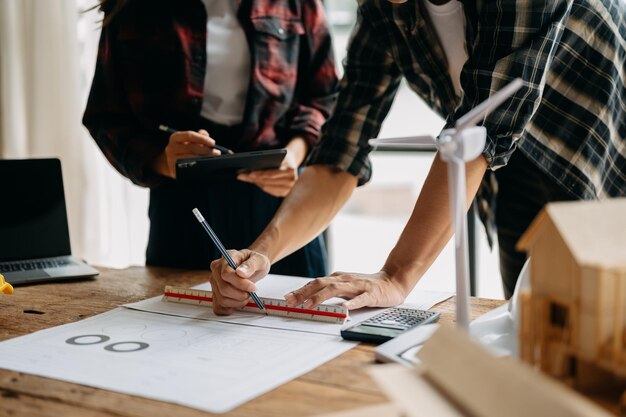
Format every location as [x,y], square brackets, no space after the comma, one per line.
[217,308]
[222,149]
[185,144]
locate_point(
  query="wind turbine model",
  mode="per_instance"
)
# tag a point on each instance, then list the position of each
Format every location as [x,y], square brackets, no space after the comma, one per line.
[463,143]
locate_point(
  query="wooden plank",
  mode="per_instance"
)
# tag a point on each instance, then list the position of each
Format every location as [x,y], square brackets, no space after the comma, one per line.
[452,360]
[298,398]
[30,389]
[25,406]
[26,393]
[387,410]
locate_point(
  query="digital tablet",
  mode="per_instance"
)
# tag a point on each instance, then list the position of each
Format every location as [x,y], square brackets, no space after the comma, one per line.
[212,168]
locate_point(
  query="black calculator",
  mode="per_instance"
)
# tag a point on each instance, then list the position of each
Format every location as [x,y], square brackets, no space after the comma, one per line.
[388,324]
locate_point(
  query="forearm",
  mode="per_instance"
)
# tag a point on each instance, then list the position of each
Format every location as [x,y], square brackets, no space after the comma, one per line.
[299,148]
[429,228]
[311,205]
[160,165]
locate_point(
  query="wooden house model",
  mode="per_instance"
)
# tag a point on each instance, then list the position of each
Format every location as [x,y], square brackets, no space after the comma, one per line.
[573,316]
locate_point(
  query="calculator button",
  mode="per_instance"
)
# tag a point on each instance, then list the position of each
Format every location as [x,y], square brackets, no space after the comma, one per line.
[398,318]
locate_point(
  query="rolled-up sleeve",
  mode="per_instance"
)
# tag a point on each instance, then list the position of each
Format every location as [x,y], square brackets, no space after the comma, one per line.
[371,79]
[514,39]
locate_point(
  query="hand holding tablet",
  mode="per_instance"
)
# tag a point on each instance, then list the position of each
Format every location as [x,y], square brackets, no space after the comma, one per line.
[212,168]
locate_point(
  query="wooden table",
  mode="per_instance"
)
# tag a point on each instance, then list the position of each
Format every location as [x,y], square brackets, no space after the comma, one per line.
[337,385]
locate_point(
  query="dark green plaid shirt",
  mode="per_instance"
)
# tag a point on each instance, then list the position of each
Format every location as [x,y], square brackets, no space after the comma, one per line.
[568,118]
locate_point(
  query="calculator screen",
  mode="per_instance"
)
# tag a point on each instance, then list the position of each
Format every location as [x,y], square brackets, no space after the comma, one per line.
[381,331]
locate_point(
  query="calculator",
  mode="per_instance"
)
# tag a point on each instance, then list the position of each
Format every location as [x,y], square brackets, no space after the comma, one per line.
[388,324]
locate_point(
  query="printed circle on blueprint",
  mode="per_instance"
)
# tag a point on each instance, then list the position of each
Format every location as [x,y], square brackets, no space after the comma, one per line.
[126,347]
[87,339]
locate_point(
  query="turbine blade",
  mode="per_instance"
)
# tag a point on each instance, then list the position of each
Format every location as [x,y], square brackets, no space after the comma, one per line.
[483,109]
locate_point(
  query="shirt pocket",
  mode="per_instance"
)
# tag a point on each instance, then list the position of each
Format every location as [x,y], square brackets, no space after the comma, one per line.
[276,46]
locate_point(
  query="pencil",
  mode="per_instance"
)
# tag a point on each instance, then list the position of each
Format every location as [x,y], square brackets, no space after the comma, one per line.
[220,148]
[225,254]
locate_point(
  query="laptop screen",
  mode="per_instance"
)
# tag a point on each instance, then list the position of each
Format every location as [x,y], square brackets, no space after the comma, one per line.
[33,219]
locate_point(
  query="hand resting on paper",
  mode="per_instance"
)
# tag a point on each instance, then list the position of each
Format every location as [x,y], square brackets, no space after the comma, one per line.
[231,287]
[360,290]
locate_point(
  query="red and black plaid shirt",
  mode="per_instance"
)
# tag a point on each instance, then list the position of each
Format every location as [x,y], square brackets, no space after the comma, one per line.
[151,67]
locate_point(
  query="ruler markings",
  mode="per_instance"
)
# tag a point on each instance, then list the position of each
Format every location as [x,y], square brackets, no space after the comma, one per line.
[274,306]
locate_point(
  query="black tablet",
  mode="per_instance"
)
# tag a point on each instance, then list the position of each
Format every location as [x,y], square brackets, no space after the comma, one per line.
[211,168]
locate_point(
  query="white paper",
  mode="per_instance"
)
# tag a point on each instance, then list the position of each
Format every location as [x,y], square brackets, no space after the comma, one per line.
[276,286]
[496,331]
[208,365]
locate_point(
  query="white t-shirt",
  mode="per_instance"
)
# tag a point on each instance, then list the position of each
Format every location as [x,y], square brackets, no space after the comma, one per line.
[449,22]
[228,64]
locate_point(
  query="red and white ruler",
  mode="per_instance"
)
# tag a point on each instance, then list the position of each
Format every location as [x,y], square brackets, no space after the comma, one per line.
[274,306]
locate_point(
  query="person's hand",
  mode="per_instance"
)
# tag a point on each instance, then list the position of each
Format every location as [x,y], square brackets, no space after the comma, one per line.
[361,290]
[184,144]
[276,182]
[231,287]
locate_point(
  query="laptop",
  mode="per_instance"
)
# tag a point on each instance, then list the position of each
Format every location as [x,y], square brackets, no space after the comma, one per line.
[34,233]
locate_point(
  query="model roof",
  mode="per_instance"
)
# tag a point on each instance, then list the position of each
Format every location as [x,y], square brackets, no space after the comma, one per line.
[594,231]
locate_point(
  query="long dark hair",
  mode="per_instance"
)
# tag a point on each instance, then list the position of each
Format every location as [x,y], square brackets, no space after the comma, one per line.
[110,8]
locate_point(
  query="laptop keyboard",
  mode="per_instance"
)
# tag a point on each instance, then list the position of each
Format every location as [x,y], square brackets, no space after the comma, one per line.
[34,265]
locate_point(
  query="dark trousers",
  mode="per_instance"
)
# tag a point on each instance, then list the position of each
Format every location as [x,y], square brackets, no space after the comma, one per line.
[236,211]
[523,190]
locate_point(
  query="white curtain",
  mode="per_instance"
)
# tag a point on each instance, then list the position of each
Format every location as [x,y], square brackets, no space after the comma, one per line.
[47,56]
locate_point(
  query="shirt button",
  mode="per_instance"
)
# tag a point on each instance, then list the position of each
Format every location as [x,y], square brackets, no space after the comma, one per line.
[281,31]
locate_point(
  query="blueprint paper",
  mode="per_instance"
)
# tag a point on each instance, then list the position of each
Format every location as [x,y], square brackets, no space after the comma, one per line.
[208,365]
